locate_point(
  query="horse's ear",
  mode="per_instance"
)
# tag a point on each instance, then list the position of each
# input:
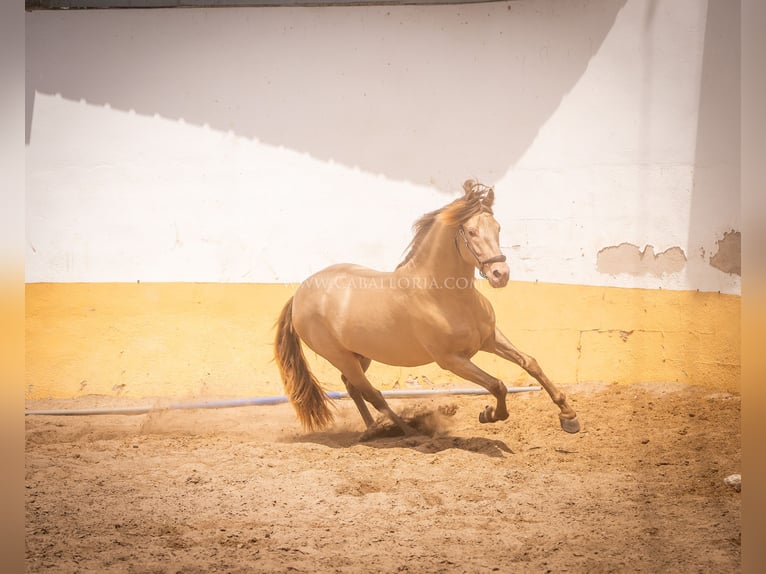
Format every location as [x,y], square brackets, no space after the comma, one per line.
[469,185]
[489,196]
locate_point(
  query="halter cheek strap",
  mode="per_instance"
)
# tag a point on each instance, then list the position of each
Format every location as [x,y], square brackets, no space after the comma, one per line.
[496,259]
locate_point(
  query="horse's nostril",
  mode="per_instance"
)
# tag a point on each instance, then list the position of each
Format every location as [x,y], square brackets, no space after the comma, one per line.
[497,274]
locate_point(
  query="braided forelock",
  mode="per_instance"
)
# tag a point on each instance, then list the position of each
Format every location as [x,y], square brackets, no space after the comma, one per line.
[478,198]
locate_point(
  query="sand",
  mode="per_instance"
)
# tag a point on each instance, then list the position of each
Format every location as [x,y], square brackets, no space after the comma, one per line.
[640,489]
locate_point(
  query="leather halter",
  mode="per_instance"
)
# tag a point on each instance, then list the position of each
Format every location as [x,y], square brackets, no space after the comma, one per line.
[496,259]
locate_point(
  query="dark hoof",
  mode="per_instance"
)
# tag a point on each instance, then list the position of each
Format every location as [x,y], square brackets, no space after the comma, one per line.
[570,425]
[485,416]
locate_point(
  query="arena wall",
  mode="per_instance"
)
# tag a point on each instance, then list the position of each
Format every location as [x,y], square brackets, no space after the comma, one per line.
[187,168]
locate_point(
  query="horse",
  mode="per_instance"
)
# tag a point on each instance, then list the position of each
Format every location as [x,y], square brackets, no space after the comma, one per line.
[427,310]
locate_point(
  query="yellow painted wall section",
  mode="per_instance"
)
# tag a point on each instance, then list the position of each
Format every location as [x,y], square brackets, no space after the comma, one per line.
[195,340]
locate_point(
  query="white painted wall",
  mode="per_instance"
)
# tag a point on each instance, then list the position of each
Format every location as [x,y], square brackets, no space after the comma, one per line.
[261,145]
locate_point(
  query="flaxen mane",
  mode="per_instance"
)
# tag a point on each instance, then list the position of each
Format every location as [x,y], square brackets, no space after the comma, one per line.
[478,198]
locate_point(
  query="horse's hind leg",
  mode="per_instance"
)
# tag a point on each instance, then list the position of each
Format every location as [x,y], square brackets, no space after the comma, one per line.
[356,394]
[505,349]
[354,377]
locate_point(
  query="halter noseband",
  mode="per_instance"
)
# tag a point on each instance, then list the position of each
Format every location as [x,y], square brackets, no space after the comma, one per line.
[496,259]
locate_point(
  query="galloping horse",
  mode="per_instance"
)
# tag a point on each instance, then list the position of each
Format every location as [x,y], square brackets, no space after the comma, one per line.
[427,310]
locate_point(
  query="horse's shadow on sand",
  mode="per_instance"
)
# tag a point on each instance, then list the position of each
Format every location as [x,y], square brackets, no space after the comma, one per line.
[432,437]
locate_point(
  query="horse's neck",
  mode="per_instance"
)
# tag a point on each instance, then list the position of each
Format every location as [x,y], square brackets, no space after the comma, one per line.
[438,257]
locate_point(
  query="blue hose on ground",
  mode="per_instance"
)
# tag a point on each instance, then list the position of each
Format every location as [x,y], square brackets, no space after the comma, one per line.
[261,401]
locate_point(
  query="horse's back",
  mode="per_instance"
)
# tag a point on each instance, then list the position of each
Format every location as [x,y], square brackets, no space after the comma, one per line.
[357,309]
[347,293]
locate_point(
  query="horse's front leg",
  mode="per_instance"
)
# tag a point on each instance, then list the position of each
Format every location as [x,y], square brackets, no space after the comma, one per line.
[504,348]
[464,368]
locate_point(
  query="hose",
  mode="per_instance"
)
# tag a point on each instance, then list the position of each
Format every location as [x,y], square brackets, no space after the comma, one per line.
[261,401]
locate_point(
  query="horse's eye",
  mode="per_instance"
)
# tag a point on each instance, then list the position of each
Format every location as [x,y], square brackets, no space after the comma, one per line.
[473,232]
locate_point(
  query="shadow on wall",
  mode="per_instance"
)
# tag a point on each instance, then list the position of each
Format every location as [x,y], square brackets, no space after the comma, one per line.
[714,234]
[414,93]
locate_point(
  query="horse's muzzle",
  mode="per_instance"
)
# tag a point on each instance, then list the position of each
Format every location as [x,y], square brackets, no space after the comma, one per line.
[497,274]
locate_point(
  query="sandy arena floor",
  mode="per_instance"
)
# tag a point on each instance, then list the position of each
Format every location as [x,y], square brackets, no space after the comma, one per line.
[243,490]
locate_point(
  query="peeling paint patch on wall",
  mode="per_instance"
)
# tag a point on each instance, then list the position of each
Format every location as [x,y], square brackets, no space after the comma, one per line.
[728,258]
[629,258]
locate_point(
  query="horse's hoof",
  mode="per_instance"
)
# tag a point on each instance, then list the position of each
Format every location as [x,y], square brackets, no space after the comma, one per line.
[485,416]
[570,425]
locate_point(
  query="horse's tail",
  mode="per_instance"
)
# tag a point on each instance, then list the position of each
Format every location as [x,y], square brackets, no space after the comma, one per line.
[306,395]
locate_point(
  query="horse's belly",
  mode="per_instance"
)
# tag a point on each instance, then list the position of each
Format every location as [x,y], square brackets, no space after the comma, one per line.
[396,355]
[383,339]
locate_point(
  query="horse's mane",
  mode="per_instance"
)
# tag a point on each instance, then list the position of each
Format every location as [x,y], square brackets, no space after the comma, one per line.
[478,198]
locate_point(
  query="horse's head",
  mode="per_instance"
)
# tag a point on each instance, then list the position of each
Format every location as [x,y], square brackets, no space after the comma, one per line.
[476,233]
[478,236]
